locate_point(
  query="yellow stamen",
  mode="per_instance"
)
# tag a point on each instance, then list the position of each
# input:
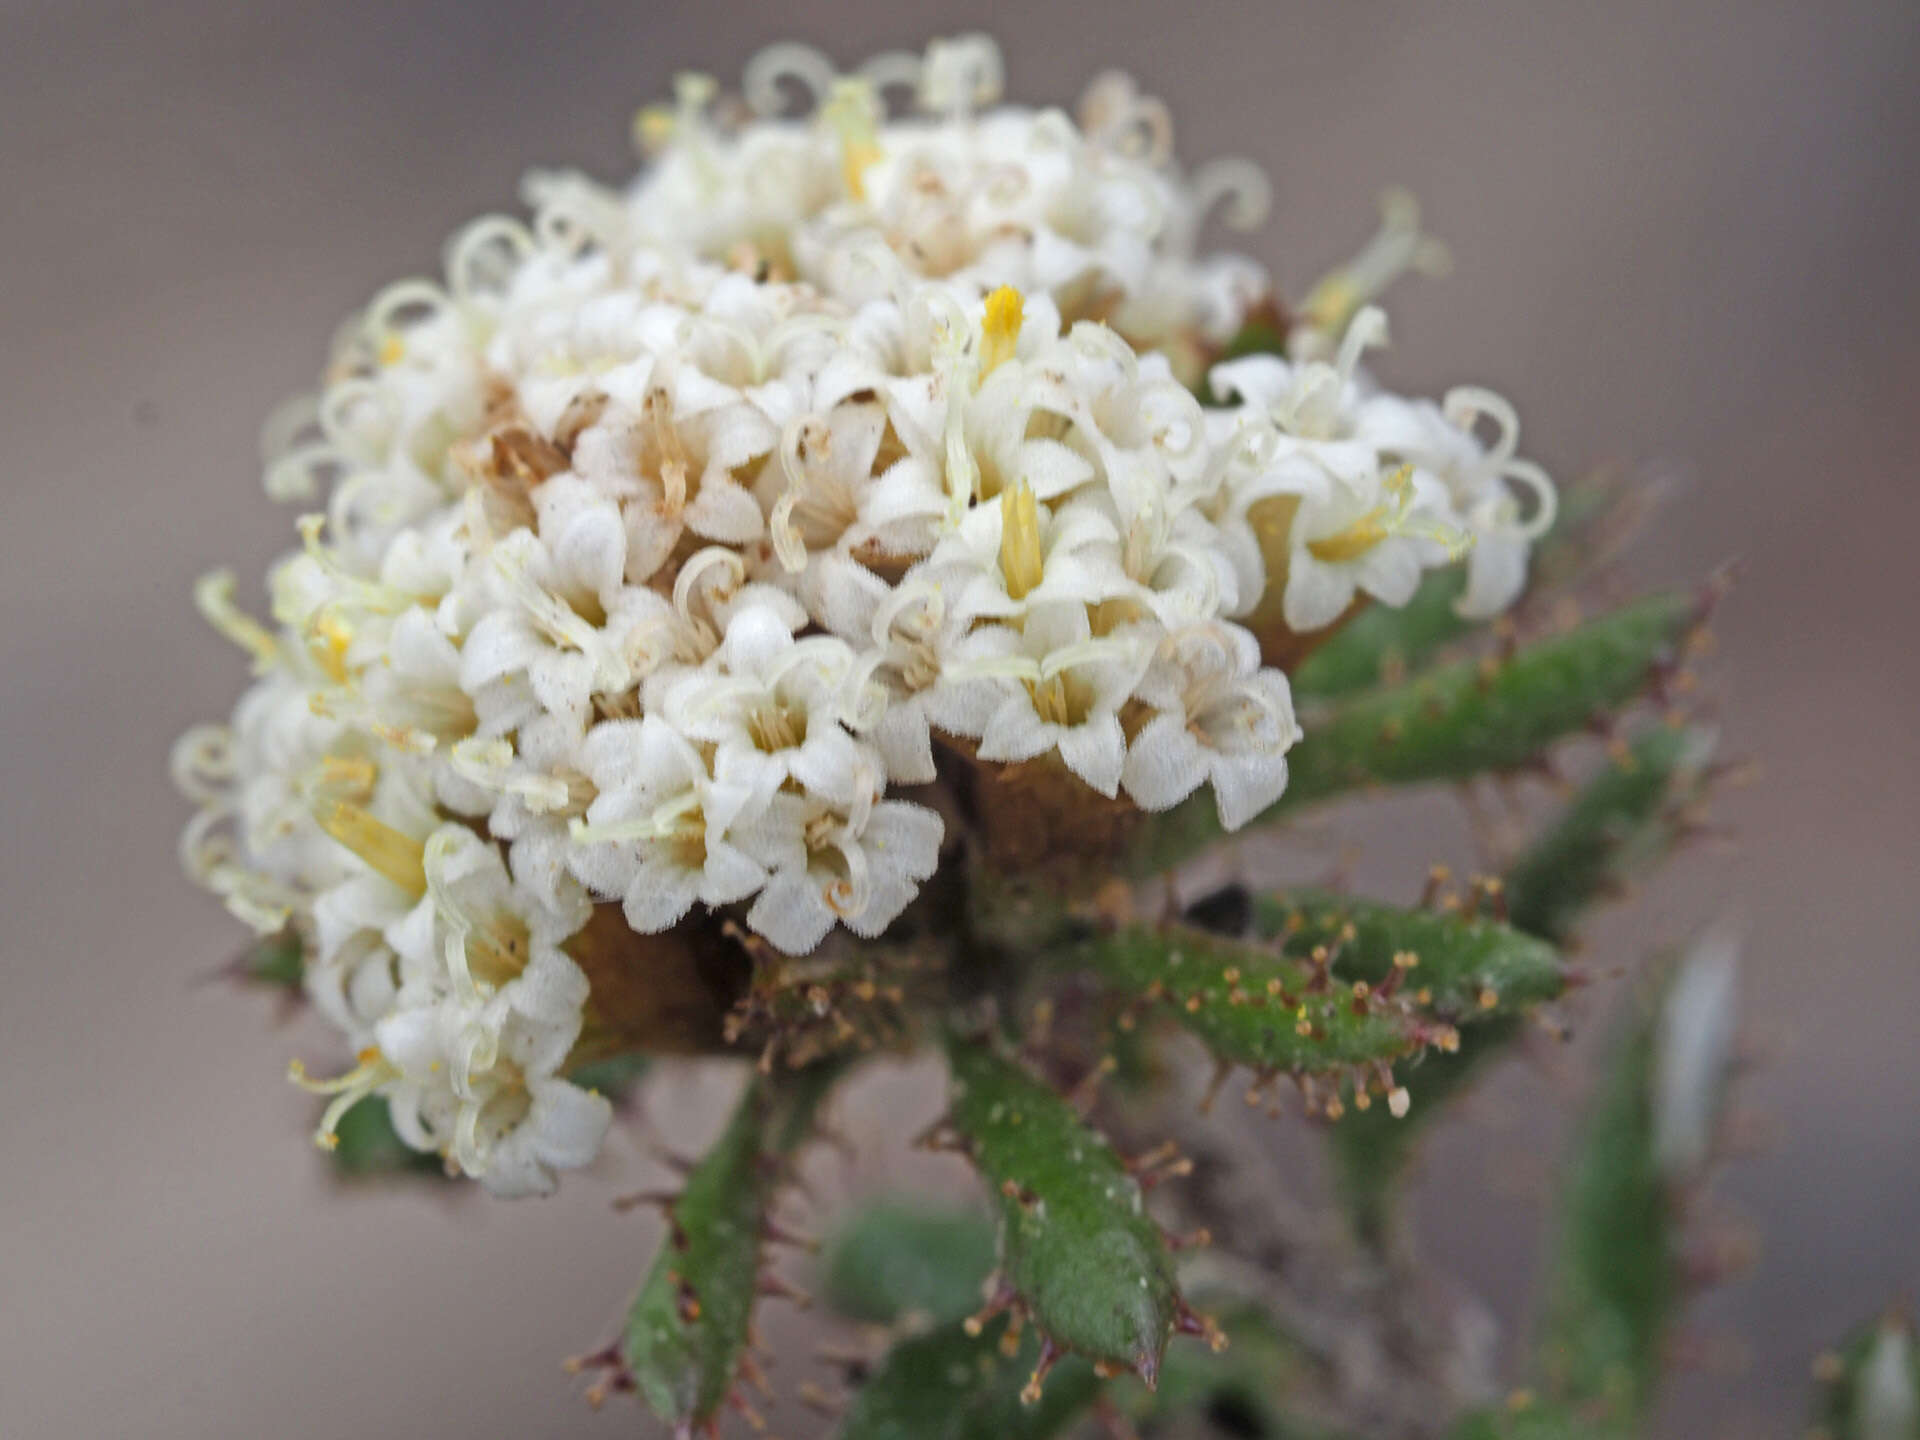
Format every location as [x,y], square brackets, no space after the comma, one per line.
[397,856]
[1021,561]
[213,596]
[371,1072]
[1001,331]
[328,645]
[392,349]
[1371,528]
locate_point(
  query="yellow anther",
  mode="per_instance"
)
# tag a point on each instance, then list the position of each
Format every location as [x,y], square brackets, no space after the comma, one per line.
[392,349]
[370,1072]
[1000,333]
[328,645]
[398,857]
[1021,562]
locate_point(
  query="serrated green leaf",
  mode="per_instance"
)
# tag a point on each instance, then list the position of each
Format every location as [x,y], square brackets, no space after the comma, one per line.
[367,1146]
[1252,1004]
[1462,965]
[949,1385]
[893,1259]
[1370,1148]
[1457,720]
[1465,970]
[1241,1390]
[1624,820]
[1076,1243]
[1869,1389]
[686,1330]
[1464,719]
[1614,1286]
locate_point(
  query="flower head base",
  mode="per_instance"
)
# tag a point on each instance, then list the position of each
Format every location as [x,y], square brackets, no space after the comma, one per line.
[672,534]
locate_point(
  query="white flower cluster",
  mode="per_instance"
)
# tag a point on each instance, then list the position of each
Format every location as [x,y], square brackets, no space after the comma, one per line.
[672,535]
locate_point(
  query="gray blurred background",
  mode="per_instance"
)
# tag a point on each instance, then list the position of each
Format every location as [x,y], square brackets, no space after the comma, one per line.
[1681,230]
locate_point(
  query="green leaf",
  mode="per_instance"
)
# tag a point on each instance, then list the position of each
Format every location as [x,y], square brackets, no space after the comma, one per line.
[949,1385]
[1459,720]
[1477,972]
[1466,719]
[1239,1390]
[1252,1004]
[892,1259]
[369,1148]
[1626,819]
[1869,1389]
[1615,1285]
[1076,1244]
[1462,968]
[686,1332]
[1536,1420]
[1370,1148]
[275,960]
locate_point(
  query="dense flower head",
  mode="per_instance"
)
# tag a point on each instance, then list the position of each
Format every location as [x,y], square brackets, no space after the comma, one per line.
[676,548]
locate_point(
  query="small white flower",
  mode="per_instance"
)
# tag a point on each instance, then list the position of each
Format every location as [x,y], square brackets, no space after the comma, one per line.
[847,857]
[657,836]
[1062,691]
[1222,719]
[1377,536]
[772,709]
[1439,440]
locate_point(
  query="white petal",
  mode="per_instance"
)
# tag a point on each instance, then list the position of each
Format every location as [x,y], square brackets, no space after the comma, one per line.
[904,838]
[1015,732]
[659,894]
[1165,764]
[1245,785]
[792,913]
[1096,751]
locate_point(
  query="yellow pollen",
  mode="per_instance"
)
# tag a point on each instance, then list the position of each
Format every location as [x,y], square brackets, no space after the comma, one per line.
[1001,331]
[1021,562]
[398,857]
[392,349]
